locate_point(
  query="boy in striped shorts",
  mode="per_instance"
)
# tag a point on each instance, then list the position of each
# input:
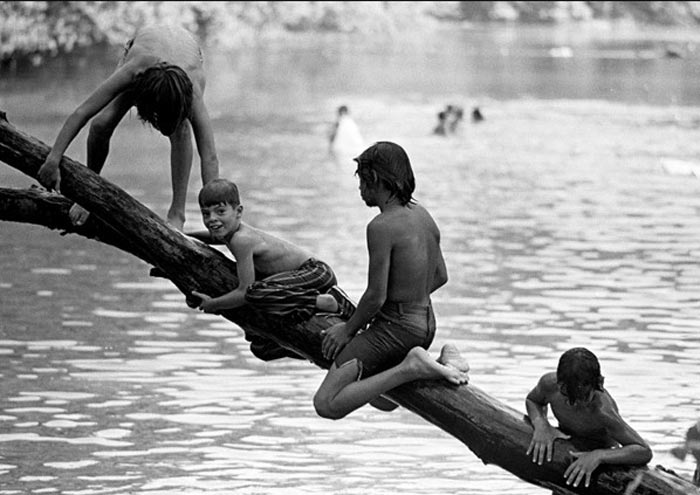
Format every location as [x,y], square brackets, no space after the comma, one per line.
[274,276]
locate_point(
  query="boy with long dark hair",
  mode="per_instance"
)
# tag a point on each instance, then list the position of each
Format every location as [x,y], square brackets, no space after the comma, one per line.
[384,343]
[585,410]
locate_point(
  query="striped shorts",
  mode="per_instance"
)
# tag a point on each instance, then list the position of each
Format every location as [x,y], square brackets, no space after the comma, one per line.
[292,294]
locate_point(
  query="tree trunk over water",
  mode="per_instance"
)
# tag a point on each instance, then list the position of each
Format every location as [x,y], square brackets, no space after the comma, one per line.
[496,433]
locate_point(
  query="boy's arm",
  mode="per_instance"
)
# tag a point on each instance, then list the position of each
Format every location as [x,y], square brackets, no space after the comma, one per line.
[242,250]
[379,246]
[204,137]
[440,272]
[105,93]
[633,449]
[542,443]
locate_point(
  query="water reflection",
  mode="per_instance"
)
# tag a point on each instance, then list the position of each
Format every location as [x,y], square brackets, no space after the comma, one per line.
[560,228]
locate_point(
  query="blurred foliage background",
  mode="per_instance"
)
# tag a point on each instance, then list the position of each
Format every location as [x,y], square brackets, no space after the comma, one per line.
[33,31]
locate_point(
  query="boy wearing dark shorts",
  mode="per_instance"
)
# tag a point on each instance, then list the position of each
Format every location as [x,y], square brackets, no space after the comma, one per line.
[405,266]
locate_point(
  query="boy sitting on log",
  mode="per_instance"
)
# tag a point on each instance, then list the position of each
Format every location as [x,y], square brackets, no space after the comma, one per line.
[585,410]
[405,266]
[275,276]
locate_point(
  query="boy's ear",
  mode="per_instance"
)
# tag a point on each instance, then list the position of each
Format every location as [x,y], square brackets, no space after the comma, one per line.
[239,211]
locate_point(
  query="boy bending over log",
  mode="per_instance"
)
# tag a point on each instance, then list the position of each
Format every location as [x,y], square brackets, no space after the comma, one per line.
[405,266]
[275,276]
[585,410]
[161,73]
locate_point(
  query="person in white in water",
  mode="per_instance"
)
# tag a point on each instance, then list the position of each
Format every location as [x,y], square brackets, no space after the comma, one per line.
[345,137]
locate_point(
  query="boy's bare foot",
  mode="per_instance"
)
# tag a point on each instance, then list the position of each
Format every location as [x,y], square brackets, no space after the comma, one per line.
[176,224]
[77,214]
[176,220]
[326,303]
[421,365]
[450,356]
[383,404]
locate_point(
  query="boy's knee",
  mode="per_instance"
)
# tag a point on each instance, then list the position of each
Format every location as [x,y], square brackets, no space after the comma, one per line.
[323,407]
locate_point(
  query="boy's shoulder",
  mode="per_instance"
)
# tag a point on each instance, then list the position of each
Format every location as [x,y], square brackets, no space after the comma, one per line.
[549,379]
[244,235]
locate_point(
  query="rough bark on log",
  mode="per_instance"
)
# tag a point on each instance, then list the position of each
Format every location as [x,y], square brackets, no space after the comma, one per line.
[496,433]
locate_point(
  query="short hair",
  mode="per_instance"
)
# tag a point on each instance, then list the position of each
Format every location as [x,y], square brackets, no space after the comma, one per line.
[388,163]
[578,371]
[219,191]
[163,96]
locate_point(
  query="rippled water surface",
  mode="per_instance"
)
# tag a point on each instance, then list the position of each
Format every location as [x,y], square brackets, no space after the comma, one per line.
[564,224]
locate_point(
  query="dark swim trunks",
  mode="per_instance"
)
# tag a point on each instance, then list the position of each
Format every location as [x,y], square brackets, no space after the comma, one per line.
[395,330]
[292,294]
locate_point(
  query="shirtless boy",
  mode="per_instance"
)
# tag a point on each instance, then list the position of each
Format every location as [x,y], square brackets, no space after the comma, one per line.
[405,266]
[162,74]
[585,410]
[274,275]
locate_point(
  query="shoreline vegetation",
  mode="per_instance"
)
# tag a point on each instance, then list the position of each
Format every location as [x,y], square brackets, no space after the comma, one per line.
[32,32]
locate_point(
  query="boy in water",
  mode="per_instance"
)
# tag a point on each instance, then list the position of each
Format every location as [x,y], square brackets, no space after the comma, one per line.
[405,266]
[274,275]
[585,410]
[162,74]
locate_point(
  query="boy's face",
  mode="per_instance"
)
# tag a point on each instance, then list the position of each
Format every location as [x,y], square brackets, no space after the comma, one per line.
[367,193]
[584,395]
[222,219]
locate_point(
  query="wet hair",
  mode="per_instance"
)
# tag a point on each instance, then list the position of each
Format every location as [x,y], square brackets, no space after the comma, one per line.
[163,96]
[388,163]
[578,373]
[219,191]
[342,110]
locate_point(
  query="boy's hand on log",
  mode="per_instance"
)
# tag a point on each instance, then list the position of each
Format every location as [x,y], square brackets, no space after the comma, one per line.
[334,339]
[542,444]
[191,300]
[207,304]
[582,467]
[49,176]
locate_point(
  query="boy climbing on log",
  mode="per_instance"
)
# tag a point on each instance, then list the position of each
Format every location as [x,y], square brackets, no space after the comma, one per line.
[405,266]
[275,276]
[161,73]
[586,411]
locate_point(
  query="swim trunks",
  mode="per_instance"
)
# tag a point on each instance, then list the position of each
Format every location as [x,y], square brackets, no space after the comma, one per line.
[395,330]
[292,294]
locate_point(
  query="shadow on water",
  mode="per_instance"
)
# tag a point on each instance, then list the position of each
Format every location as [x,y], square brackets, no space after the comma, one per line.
[560,226]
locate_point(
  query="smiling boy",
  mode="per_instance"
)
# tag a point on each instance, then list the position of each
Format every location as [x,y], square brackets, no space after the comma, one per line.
[275,276]
[586,410]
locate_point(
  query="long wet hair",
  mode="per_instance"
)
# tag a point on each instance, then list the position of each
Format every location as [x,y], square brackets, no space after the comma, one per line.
[163,96]
[388,163]
[577,373]
[219,191]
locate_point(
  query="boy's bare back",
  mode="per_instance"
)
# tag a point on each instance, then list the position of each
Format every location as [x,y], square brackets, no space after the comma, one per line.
[415,252]
[271,254]
[171,44]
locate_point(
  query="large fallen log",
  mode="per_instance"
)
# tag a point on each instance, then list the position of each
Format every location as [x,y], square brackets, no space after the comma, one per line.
[496,433]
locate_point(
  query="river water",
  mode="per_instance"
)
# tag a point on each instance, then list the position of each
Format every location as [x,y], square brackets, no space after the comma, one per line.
[563,224]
